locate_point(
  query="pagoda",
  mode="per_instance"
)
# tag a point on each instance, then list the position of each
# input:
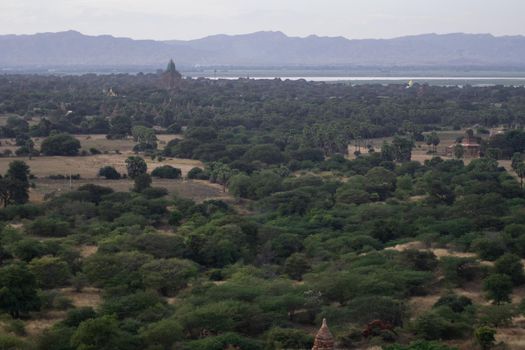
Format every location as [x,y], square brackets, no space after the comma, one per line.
[324,339]
[171,76]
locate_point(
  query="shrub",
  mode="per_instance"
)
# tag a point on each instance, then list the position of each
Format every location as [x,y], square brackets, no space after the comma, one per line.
[76,316]
[498,288]
[154,192]
[497,315]
[163,333]
[458,270]
[166,172]
[136,166]
[442,324]
[60,145]
[9,342]
[50,272]
[109,172]
[420,345]
[64,177]
[457,303]
[286,338]
[486,337]
[223,341]
[510,265]
[142,182]
[174,128]
[48,227]
[198,174]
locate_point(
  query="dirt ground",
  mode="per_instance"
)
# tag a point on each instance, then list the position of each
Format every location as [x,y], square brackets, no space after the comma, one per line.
[88,166]
[98,141]
[194,189]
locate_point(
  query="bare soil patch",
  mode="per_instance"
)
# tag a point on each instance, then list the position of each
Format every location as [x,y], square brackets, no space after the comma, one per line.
[37,326]
[89,297]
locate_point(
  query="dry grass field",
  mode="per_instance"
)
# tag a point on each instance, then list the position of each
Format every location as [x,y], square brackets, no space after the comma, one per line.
[98,141]
[88,167]
[194,189]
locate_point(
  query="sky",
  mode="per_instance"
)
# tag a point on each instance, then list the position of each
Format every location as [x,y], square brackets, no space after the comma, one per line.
[190,19]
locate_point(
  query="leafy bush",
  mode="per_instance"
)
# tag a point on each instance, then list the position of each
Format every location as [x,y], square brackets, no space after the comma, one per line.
[287,338]
[224,341]
[498,287]
[109,172]
[60,145]
[166,172]
[50,272]
[197,174]
[48,227]
[420,345]
[442,323]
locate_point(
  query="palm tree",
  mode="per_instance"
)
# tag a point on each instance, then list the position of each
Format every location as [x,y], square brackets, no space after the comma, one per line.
[520,171]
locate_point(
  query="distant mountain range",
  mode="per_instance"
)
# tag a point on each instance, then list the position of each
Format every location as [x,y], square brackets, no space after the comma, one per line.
[269,49]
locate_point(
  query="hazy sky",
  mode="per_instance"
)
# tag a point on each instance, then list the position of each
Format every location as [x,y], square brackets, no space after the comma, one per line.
[187,19]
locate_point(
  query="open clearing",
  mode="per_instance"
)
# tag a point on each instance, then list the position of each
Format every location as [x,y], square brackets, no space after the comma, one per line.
[88,166]
[114,153]
[194,189]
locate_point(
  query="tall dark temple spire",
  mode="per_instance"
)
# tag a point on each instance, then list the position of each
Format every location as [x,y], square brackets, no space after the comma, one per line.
[171,76]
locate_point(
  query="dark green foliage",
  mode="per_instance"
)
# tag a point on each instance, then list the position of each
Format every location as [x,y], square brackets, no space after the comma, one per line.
[420,260]
[166,172]
[421,345]
[50,272]
[283,338]
[197,174]
[101,334]
[136,166]
[458,270]
[223,341]
[174,128]
[154,192]
[141,182]
[10,342]
[163,334]
[486,337]
[48,227]
[168,276]
[498,288]
[269,154]
[497,315]
[18,290]
[109,173]
[76,316]
[457,303]
[14,186]
[296,265]
[94,193]
[442,323]
[510,265]
[60,145]
[136,306]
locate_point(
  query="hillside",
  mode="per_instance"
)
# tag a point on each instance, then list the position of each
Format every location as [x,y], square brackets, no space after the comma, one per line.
[73,49]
